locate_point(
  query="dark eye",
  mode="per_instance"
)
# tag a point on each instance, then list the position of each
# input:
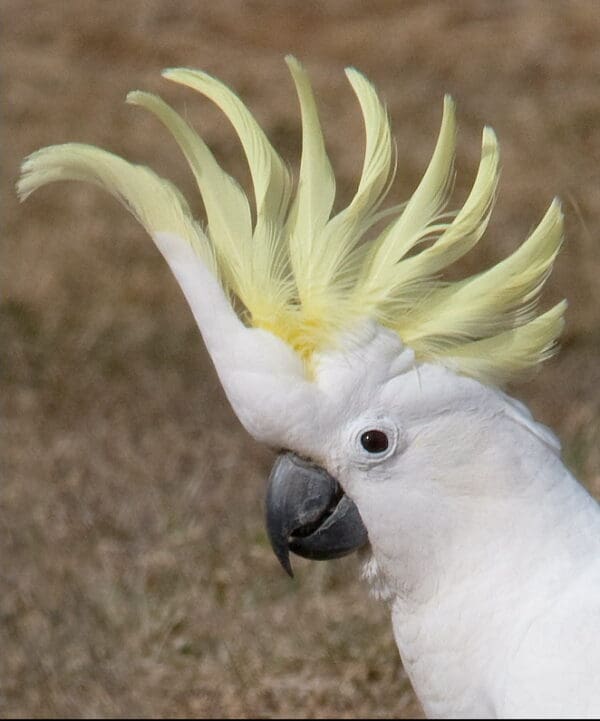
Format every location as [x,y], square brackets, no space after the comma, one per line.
[374,441]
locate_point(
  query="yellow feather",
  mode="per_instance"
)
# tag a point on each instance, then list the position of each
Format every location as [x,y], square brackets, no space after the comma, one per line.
[338,260]
[375,176]
[270,177]
[307,277]
[488,303]
[227,209]
[459,237]
[272,190]
[503,357]
[427,201]
[316,189]
[154,201]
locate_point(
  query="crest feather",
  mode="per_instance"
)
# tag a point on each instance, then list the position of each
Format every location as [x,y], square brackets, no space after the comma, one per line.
[271,180]
[508,354]
[424,206]
[314,199]
[499,298]
[337,264]
[308,277]
[155,202]
[270,177]
[227,208]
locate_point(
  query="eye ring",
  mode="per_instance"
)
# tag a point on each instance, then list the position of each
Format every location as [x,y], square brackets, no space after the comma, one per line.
[374,441]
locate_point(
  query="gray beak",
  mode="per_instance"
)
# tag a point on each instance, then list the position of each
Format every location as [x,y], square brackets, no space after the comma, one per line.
[308,513]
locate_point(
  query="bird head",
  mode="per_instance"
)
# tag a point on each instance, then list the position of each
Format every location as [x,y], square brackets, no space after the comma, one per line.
[335,338]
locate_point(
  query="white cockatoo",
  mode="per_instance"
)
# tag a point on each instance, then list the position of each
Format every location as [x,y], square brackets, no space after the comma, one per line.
[380,385]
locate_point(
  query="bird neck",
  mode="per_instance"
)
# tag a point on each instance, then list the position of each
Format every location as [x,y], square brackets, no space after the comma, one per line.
[483,544]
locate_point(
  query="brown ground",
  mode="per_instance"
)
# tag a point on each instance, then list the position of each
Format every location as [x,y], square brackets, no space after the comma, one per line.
[136,579]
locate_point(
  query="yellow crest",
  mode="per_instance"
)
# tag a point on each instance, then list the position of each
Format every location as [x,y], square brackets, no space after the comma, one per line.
[307,275]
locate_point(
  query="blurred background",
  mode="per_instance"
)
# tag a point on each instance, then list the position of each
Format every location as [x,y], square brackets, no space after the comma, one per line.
[135,575]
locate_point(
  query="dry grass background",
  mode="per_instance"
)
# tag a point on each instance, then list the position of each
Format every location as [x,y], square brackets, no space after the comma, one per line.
[136,579]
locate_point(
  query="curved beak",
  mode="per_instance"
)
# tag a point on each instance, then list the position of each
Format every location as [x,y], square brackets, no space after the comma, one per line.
[309,514]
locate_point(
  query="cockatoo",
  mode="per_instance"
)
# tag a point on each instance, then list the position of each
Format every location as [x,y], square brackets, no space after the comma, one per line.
[340,346]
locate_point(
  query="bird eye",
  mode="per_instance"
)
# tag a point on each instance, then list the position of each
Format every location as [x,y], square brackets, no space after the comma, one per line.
[374,441]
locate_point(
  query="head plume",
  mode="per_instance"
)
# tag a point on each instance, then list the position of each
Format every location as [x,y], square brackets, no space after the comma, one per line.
[308,276]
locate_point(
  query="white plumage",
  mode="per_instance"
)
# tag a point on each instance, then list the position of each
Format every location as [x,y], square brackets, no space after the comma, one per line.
[483,544]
